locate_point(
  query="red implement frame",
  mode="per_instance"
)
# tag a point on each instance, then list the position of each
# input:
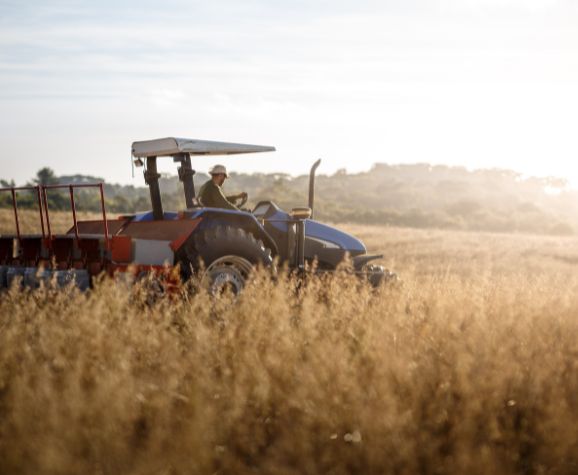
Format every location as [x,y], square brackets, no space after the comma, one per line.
[13,191]
[71,189]
[42,197]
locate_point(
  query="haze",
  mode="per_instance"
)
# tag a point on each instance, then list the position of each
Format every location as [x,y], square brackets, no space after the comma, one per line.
[476,83]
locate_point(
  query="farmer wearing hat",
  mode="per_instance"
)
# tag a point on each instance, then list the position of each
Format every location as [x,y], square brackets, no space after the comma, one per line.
[211,193]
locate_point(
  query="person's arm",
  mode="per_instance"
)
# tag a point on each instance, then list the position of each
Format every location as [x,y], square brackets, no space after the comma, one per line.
[222,200]
[237,196]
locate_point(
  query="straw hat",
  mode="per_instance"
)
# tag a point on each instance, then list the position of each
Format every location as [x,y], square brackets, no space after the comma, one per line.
[218,170]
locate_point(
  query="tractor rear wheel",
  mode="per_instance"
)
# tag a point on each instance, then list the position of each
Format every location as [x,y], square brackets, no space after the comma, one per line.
[228,255]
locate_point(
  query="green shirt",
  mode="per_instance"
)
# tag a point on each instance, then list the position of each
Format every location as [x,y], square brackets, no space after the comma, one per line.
[212,196]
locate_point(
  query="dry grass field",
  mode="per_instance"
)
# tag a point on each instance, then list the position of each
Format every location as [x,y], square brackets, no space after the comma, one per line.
[29,220]
[469,367]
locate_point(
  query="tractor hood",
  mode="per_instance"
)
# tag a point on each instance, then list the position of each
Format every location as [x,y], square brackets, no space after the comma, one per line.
[319,238]
[329,246]
[331,238]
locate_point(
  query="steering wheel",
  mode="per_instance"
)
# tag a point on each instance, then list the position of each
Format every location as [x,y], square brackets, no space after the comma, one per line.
[243,201]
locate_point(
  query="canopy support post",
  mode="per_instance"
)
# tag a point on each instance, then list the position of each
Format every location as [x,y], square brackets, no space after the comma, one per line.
[152,176]
[186,174]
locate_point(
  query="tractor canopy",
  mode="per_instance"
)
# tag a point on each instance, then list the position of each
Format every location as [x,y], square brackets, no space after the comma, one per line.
[181,150]
[171,146]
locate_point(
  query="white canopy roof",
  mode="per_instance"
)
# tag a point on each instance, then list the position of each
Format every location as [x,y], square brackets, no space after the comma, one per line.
[170,146]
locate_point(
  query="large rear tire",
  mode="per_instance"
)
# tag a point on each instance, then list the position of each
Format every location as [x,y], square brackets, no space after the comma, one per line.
[226,256]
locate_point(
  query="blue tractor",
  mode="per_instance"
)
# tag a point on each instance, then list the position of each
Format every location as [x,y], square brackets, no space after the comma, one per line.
[221,246]
[228,243]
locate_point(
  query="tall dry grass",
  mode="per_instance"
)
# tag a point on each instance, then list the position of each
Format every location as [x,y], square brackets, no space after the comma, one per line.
[471,366]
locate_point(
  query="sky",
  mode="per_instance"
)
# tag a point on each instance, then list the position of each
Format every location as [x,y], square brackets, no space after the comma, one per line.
[474,83]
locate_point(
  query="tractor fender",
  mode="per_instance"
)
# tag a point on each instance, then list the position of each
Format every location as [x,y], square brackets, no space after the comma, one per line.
[212,217]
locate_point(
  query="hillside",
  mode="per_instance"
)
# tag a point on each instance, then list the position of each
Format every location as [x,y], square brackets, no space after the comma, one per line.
[419,196]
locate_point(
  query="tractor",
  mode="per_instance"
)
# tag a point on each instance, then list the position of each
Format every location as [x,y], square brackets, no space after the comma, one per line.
[220,246]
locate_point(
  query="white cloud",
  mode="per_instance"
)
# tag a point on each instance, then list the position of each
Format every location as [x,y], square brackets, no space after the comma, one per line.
[509,4]
[446,82]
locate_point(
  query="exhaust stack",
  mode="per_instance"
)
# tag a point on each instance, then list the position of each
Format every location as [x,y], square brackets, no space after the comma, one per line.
[312,185]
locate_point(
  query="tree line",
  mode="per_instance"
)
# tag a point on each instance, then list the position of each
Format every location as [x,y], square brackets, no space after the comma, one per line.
[417,195]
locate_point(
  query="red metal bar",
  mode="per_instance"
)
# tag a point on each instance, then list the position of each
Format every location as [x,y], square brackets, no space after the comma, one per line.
[13,190]
[20,188]
[15,207]
[40,211]
[71,188]
[42,196]
[47,214]
[73,207]
[106,239]
[74,185]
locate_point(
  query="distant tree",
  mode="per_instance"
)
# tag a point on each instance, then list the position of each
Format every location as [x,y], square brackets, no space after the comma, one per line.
[561,229]
[555,182]
[45,176]
[79,178]
[6,183]
[58,200]
[464,207]
[419,195]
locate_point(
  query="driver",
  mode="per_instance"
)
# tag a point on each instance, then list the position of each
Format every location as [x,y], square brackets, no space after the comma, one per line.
[211,193]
